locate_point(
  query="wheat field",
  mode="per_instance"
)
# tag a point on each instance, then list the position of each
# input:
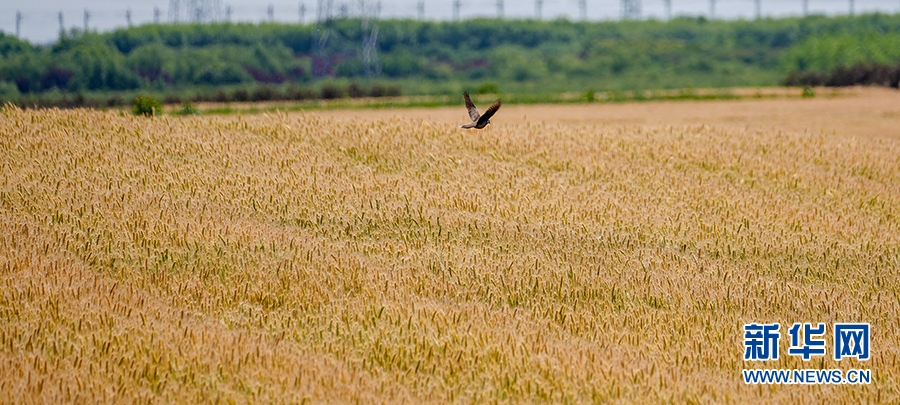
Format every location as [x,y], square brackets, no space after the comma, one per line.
[388,256]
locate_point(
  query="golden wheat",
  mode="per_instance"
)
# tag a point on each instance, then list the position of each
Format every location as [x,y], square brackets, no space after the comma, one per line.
[330,258]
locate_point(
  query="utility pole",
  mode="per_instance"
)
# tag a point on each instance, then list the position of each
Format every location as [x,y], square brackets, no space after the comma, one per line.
[87,19]
[128,17]
[500,9]
[18,23]
[538,5]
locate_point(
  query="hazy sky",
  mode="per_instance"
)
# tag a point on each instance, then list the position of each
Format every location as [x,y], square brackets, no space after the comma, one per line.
[40,18]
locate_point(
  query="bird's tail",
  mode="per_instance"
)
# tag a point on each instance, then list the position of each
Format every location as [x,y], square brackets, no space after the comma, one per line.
[467,126]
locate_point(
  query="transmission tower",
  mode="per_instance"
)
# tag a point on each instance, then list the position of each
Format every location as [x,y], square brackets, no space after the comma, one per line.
[228,13]
[668,4]
[852,7]
[302,12]
[712,9]
[216,10]
[62,27]
[631,9]
[321,63]
[324,10]
[538,6]
[87,19]
[128,17]
[18,23]
[582,8]
[174,11]
[270,11]
[758,4]
[805,8]
[500,9]
[457,4]
[197,11]
[420,7]
[370,38]
[156,15]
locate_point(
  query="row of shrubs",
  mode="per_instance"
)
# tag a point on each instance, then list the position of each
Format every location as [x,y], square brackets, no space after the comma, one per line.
[873,74]
[328,91]
[220,95]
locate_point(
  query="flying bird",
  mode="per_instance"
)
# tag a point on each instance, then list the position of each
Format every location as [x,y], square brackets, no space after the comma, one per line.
[479,120]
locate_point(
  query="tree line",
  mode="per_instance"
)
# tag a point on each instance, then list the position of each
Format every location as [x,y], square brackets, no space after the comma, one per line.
[290,60]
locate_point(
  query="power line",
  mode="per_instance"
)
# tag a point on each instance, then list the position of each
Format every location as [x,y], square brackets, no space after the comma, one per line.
[206,11]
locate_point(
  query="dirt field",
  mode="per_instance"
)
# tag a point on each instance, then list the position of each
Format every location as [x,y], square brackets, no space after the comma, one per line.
[573,253]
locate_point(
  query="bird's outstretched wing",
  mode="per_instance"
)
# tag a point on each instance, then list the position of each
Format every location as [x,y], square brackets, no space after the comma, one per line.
[489,113]
[473,112]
